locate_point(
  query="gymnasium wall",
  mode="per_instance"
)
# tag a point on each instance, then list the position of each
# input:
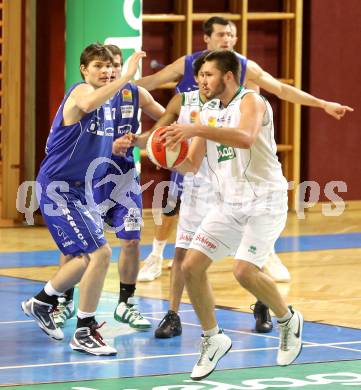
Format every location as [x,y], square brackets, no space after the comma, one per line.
[332,70]
[50,67]
[263,44]
[331,64]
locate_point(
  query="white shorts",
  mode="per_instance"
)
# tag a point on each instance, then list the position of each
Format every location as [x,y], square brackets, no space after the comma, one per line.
[249,238]
[196,202]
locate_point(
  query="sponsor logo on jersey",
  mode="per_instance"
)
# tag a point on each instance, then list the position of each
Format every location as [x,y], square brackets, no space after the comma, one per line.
[94,126]
[187,237]
[252,249]
[74,226]
[127,95]
[225,153]
[97,128]
[61,232]
[193,116]
[127,111]
[109,132]
[213,104]
[133,220]
[124,129]
[206,242]
[67,243]
[212,121]
[107,113]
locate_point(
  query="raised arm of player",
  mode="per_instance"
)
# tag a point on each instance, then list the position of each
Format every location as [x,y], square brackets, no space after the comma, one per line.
[172,72]
[252,109]
[169,116]
[89,100]
[85,98]
[257,75]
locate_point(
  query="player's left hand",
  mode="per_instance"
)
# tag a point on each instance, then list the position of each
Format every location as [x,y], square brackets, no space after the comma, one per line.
[122,144]
[336,110]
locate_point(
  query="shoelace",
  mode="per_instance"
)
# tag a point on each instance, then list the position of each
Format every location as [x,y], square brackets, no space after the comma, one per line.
[134,313]
[60,308]
[285,330]
[94,333]
[205,344]
[168,319]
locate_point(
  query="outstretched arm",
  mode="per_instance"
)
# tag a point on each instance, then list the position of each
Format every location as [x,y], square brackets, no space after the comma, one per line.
[172,72]
[147,103]
[257,75]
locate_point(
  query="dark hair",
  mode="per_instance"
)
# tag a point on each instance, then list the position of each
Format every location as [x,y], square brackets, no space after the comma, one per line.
[115,50]
[226,61]
[208,24]
[95,51]
[198,62]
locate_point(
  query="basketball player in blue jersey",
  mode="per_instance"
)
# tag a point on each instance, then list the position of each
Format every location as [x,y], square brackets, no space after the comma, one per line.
[82,131]
[119,197]
[220,34]
[125,211]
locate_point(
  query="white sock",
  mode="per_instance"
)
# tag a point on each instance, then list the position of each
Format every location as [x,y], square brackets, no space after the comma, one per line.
[158,247]
[286,317]
[211,332]
[50,290]
[82,314]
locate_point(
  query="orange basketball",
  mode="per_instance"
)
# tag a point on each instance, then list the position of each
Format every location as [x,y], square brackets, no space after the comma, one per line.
[163,156]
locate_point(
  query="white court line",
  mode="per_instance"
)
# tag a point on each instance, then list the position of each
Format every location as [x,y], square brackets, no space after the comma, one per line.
[106,361]
[103,314]
[308,343]
[245,308]
[15,322]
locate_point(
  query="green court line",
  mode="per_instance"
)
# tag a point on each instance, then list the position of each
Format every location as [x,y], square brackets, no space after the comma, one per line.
[322,376]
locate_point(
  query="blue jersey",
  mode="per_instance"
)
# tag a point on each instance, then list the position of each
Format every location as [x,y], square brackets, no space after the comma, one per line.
[71,149]
[188,82]
[118,195]
[125,106]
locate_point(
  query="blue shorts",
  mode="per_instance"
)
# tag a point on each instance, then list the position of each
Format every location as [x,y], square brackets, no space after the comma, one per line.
[119,199]
[74,224]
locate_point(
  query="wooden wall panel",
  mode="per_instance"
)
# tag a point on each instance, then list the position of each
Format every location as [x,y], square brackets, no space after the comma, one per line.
[331,67]
[50,65]
[264,43]
[11,106]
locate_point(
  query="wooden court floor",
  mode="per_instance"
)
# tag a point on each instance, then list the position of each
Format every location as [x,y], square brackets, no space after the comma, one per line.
[325,283]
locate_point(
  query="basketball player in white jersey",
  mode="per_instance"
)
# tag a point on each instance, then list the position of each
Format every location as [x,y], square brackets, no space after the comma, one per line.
[196,198]
[221,34]
[237,136]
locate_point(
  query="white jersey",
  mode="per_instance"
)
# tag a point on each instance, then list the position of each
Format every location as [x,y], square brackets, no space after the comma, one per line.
[189,114]
[243,176]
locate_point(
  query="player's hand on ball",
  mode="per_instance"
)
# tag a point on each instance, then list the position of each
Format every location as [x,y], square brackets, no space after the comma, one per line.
[176,133]
[161,154]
